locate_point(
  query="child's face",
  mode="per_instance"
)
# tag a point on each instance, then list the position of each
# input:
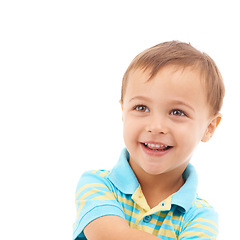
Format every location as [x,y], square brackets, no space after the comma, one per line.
[165,118]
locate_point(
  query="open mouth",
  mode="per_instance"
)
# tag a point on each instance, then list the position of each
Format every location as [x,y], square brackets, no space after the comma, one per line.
[156,147]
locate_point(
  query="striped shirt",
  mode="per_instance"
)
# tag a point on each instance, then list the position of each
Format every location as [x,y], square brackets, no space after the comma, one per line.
[183,215]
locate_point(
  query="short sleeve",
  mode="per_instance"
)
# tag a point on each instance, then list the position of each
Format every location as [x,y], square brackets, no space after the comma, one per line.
[202,223]
[95,197]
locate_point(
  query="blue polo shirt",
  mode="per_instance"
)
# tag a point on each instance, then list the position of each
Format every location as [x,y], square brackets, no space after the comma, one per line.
[183,215]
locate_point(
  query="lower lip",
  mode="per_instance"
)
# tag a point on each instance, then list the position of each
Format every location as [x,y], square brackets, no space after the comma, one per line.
[155,153]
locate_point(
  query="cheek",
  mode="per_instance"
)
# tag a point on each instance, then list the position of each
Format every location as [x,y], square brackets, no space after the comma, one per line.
[131,129]
[128,130]
[188,136]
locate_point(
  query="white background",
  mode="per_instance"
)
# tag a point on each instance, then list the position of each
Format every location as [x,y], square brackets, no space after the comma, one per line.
[61,66]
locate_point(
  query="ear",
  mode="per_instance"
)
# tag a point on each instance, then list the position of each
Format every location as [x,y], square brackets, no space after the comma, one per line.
[121,102]
[212,127]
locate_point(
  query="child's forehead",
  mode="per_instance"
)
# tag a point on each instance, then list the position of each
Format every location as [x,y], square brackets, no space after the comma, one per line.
[147,74]
[170,82]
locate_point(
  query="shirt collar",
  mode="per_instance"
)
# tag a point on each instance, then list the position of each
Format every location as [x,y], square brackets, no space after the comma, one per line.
[123,177]
[185,196]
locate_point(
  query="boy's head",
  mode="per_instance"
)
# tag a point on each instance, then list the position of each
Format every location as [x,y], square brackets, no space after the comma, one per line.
[181,55]
[171,97]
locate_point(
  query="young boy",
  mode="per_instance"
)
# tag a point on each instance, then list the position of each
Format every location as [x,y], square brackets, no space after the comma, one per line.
[171,98]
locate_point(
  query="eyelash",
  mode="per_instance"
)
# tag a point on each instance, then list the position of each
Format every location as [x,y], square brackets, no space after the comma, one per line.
[146,109]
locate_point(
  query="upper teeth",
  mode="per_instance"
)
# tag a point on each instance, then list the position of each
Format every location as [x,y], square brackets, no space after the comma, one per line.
[151,145]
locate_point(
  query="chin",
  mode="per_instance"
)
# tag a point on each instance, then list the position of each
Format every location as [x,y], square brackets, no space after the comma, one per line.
[154,170]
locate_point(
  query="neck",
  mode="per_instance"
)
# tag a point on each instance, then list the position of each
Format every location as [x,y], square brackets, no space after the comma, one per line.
[156,188]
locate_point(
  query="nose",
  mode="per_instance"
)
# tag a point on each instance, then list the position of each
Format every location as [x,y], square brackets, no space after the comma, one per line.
[157,125]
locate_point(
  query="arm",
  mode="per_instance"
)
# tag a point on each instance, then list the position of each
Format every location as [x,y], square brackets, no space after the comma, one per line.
[113,227]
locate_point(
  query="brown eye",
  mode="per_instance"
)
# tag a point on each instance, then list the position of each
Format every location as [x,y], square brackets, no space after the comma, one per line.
[178,113]
[141,108]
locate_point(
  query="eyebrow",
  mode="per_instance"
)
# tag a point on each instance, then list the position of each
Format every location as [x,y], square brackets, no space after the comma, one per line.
[140,98]
[178,102]
[174,102]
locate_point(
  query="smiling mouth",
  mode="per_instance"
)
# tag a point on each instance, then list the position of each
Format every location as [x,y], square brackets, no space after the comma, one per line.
[156,147]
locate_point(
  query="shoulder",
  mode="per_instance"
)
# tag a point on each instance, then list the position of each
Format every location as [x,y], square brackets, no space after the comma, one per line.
[93,179]
[94,174]
[203,208]
[200,220]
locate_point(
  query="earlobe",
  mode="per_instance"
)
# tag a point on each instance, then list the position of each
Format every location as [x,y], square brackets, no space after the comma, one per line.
[212,127]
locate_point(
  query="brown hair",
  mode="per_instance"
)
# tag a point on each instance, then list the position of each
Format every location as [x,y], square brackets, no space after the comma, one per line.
[184,55]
